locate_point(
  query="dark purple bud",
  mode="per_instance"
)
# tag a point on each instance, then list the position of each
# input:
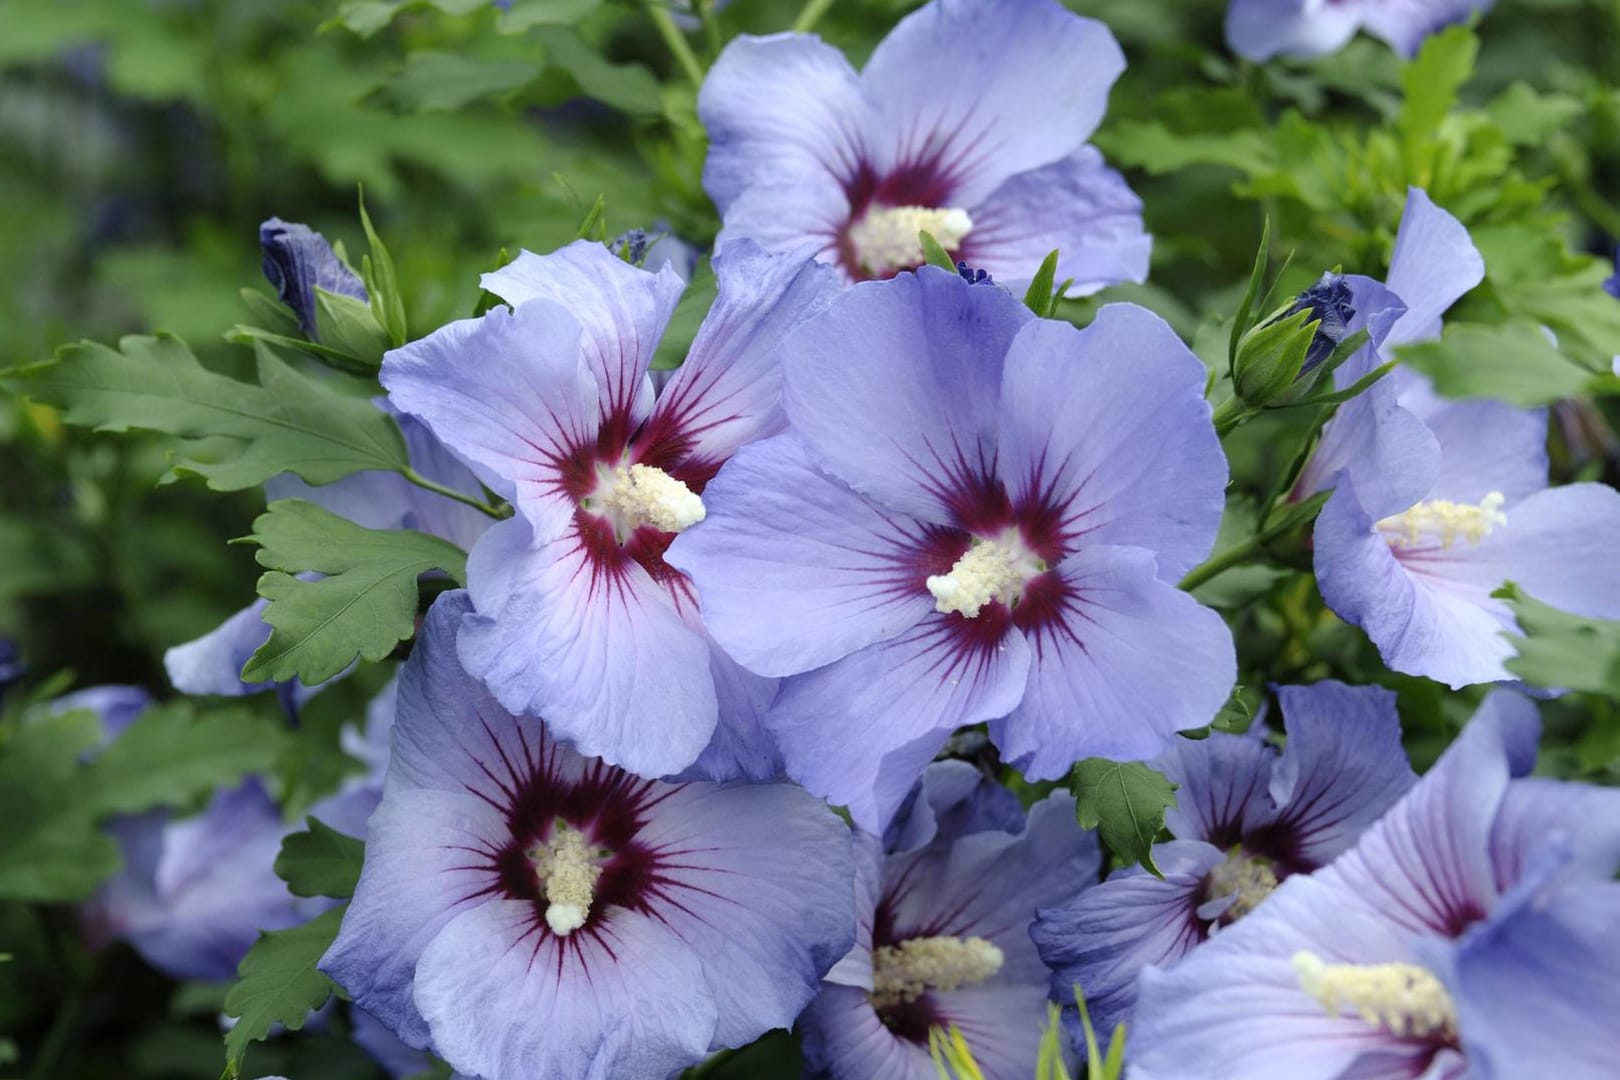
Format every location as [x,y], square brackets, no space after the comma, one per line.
[1612,284]
[1329,302]
[631,246]
[297,261]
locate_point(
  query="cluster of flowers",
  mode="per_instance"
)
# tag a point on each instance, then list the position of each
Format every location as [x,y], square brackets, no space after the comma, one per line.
[878,503]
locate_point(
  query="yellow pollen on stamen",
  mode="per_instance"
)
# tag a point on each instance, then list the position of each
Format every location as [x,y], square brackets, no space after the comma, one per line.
[989,570]
[567,870]
[1249,878]
[645,495]
[1403,999]
[905,972]
[1445,521]
[885,240]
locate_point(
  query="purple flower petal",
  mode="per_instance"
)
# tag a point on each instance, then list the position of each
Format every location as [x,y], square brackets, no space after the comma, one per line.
[781,106]
[1097,685]
[1102,938]
[1435,261]
[1405,24]
[519,412]
[599,652]
[906,372]
[1261,29]
[728,391]
[1079,207]
[1429,615]
[1223,788]
[764,952]
[1342,769]
[954,82]
[1109,427]
[785,546]
[1561,551]
[611,1006]
[859,731]
[621,309]
[1488,446]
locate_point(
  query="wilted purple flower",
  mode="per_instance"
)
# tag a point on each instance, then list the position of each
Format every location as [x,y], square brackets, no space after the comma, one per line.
[1246,818]
[977,517]
[212,664]
[578,616]
[1260,29]
[969,121]
[1460,936]
[530,913]
[297,261]
[943,909]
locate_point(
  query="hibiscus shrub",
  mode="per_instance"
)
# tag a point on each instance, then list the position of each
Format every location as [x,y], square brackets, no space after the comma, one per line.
[994,539]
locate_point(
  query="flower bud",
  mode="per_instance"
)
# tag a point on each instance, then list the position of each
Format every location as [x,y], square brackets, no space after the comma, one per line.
[1278,354]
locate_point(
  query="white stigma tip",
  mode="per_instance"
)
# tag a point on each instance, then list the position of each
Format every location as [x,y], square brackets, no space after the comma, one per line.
[989,570]
[886,238]
[567,871]
[1444,521]
[564,919]
[645,495]
[1403,999]
[905,972]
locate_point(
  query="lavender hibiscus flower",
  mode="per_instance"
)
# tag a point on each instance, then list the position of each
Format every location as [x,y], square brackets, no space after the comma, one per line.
[978,516]
[1246,818]
[528,912]
[1260,29]
[1470,932]
[1436,504]
[577,615]
[943,907]
[969,122]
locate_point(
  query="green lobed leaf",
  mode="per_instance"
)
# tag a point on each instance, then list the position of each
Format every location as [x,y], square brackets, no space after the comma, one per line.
[288,423]
[1514,362]
[1431,83]
[174,752]
[1560,650]
[320,861]
[1125,802]
[364,606]
[450,81]
[630,88]
[523,14]
[279,984]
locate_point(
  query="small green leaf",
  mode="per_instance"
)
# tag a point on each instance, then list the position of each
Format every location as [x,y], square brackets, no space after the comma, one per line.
[1038,297]
[320,862]
[934,254]
[173,753]
[1514,362]
[286,424]
[350,326]
[1562,651]
[271,314]
[279,984]
[364,606]
[382,286]
[1251,296]
[630,88]
[1125,802]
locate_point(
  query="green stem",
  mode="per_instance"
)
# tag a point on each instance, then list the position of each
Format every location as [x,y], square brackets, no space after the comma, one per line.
[711,27]
[810,14]
[1238,554]
[65,1027]
[1219,564]
[1229,414]
[496,512]
[679,48]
